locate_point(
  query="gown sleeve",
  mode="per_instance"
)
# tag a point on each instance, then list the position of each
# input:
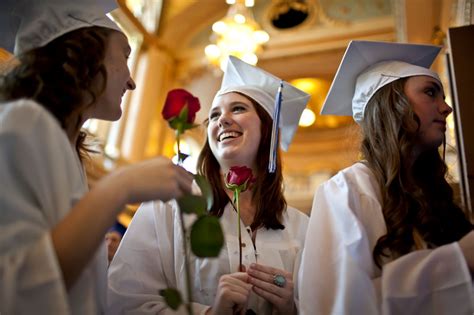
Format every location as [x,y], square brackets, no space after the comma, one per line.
[33,173]
[338,275]
[145,264]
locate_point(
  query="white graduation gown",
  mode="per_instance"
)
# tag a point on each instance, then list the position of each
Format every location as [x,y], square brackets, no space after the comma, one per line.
[339,276]
[41,178]
[150,258]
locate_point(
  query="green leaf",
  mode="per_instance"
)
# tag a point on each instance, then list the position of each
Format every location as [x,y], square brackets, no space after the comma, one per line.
[206,190]
[192,204]
[207,238]
[172,298]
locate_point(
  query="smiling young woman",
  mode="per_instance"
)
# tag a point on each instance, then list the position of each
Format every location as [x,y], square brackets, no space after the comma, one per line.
[239,133]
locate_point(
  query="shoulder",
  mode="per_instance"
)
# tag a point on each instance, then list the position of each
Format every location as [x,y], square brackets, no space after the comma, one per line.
[27,117]
[24,111]
[350,202]
[295,221]
[356,179]
[294,214]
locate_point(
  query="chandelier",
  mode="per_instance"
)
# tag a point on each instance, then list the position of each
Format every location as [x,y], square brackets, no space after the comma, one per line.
[237,34]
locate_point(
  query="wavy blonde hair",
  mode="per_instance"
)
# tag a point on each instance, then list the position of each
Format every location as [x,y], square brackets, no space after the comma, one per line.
[416,197]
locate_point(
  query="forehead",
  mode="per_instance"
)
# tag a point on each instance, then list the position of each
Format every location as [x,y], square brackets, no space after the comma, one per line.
[229,98]
[118,40]
[421,79]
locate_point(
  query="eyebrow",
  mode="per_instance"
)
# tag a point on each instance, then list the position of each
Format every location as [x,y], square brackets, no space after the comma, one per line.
[213,110]
[437,86]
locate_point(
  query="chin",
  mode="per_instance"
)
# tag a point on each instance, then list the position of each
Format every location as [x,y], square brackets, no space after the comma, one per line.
[111,115]
[116,117]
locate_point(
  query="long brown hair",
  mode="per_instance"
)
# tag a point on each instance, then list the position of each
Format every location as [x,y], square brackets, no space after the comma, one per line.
[415,200]
[65,76]
[267,191]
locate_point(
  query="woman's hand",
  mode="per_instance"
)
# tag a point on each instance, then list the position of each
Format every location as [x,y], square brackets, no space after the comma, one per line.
[154,179]
[281,297]
[232,294]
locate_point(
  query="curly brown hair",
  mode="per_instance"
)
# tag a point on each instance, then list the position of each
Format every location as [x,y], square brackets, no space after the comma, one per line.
[65,76]
[416,197]
[267,192]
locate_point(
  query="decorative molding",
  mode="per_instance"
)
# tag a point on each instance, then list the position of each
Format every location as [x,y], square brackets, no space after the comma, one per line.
[463,9]
[399,7]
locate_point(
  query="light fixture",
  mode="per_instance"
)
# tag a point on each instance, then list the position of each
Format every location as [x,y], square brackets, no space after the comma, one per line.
[318,89]
[307,118]
[237,34]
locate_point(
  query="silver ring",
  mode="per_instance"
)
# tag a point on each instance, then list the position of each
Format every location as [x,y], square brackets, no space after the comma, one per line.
[279,281]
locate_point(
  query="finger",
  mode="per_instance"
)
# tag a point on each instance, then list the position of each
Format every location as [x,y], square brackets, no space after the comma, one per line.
[264,276]
[268,296]
[188,176]
[271,288]
[237,295]
[270,270]
[236,279]
[184,185]
[185,180]
[236,288]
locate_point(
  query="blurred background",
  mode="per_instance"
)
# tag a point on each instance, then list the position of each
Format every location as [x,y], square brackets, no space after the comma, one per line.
[181,43]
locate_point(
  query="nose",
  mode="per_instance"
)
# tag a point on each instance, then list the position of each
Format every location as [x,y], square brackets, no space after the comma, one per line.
[445,109]
[224,120]
[131,84]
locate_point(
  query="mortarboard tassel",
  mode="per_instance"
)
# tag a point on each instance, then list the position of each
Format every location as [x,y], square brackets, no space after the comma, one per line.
[275,130]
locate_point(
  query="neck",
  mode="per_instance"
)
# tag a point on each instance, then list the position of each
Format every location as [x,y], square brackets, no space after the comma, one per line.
[73,131]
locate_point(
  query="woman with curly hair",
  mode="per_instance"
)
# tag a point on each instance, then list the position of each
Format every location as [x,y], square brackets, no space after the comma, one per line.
[72,67]
[385,235]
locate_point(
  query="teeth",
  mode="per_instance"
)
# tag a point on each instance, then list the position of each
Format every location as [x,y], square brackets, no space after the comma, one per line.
[229,134]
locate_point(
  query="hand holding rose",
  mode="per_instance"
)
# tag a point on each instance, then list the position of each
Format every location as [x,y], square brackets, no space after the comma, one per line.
[232,294]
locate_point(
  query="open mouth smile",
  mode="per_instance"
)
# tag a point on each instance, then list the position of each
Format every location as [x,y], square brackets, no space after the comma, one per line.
[225,135]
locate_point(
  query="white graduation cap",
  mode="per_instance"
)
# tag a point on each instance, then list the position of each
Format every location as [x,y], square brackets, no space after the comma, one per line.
[262,87]
[367,66]
[34,23]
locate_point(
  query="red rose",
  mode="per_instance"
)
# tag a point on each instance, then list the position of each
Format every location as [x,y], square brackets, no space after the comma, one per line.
[176,101]
[239,177]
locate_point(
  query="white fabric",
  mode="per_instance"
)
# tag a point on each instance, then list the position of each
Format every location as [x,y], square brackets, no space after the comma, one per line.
[339,276]
[150,258]
[379,75]
[36,23]
[41,179]
[362,55]
[262,87]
